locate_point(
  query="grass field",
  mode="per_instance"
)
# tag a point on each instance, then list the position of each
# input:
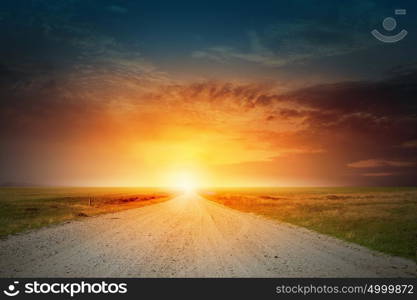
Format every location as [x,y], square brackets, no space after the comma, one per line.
[383,219]
[29,208]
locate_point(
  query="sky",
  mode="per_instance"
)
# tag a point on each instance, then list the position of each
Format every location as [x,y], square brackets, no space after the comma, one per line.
[217,93]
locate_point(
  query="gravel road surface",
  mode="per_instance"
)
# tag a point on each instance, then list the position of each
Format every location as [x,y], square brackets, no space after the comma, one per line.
[188,236]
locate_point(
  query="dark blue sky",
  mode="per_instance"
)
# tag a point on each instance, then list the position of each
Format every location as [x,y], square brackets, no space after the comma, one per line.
[254,39]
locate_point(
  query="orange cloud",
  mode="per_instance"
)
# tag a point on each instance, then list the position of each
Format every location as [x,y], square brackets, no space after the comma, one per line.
[129,130]
[378,174]
[373,163]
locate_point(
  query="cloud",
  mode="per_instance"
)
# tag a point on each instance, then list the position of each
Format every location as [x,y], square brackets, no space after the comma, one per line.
[283,131]
[117,9]
[64,38]
[409,144]
[293,41]
[379,174]
[258,53]
[391,97]
[383,112]
[374,163]
[374,116]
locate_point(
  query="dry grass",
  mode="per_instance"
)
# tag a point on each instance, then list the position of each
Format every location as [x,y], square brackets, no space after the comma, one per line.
[29,208]
[384,219]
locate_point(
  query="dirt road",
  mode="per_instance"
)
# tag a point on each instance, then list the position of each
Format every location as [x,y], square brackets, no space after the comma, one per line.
[188,236]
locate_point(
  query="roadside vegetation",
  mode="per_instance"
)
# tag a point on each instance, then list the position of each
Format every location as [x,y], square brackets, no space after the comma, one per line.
[29,208]
[383,219]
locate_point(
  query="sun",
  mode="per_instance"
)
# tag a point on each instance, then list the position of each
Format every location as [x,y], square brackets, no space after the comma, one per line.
[186,182]
[189,178]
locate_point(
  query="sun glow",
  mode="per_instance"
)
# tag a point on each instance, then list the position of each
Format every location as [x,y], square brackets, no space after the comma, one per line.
[185,181]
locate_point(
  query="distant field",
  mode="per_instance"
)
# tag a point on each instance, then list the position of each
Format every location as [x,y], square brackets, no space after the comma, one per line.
[28,208]
[383,219]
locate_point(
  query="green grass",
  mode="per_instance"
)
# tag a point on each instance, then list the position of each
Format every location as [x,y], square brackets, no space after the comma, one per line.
[383,219]
[29,208]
